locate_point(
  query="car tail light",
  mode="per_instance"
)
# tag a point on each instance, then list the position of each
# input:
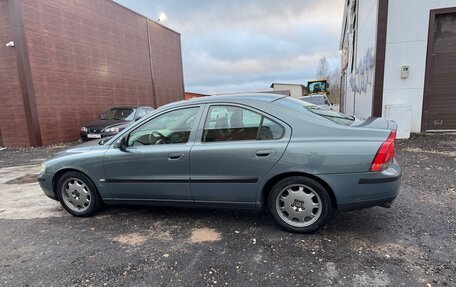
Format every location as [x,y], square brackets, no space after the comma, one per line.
[384,154]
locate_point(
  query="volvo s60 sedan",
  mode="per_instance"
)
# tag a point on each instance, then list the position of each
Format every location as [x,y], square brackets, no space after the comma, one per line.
[250,151]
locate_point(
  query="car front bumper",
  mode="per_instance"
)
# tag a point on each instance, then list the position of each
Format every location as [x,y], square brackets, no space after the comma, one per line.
[362,190]
[84,136]
[45,182]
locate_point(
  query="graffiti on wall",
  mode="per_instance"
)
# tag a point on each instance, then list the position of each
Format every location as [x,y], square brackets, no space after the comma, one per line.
[364,69]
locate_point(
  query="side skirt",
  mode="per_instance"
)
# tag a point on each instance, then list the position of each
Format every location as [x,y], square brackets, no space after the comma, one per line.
[183,203]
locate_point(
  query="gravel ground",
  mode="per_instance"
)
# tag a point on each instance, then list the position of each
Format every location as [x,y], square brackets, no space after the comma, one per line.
[411,244]
[29,155]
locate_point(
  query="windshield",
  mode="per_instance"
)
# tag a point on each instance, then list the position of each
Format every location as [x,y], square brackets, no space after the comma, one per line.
[331,115]
[119,114]
[317,87]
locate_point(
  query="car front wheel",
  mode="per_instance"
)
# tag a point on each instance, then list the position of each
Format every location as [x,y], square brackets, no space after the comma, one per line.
[299,204]
[78,195]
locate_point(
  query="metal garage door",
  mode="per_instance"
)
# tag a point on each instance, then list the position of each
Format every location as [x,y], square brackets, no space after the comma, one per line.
[441,109]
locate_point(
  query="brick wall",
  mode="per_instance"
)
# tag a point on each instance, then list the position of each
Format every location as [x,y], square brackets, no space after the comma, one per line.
[13,126]
[166,64]
[85,56]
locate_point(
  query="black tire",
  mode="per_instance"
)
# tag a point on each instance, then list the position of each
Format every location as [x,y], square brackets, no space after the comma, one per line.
[314,188]
[94,203]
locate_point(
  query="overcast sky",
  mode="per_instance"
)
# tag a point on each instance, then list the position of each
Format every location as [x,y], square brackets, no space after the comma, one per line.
[235,45]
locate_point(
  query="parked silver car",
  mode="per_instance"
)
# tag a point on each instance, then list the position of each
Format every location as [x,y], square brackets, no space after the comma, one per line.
[240,151]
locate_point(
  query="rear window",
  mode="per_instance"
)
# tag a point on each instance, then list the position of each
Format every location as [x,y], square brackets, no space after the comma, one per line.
[316,100]
[331,115]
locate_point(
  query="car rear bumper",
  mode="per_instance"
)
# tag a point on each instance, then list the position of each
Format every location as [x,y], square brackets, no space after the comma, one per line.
[362,190]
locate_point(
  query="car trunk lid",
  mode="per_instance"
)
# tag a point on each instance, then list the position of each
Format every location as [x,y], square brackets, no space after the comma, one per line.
[374,123]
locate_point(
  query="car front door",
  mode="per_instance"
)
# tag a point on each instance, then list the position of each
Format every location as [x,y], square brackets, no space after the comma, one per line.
[235,148]
[154,165]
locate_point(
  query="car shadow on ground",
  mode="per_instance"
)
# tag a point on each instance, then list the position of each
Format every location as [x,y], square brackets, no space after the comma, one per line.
[371,220]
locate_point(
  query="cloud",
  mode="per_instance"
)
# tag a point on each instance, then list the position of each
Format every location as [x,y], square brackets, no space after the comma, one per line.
[245,45]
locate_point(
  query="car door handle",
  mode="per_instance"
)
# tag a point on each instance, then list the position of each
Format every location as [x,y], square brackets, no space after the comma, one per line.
[263,153]
[175,155]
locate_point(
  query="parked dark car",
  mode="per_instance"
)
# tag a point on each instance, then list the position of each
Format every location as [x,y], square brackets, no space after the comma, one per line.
[113,121]
[241,151]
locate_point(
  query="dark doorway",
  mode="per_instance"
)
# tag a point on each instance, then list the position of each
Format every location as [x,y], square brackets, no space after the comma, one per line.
[439,105]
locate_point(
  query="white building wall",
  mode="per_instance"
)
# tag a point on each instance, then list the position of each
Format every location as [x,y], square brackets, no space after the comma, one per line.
[359,79]
[406,45]
[295,90]
[367,28]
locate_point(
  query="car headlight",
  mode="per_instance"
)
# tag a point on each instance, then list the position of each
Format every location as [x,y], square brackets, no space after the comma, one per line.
[112,130]
[84,129]
[42,169]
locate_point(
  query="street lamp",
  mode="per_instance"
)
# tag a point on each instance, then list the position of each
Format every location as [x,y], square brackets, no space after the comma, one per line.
[162,17]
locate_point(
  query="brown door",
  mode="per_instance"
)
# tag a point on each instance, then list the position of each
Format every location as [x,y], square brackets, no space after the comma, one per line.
[441,111]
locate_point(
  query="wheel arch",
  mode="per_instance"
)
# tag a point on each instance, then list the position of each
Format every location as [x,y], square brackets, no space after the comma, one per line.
[272,181]
[60,173]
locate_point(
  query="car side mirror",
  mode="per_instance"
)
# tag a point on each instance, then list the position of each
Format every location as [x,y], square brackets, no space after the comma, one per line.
[121,144]
[100,116]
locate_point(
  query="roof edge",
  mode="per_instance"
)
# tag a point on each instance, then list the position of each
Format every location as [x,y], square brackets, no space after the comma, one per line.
[290,84]
[141,15]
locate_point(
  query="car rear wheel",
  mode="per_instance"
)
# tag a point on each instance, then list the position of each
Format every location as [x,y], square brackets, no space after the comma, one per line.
[299,204]
[78,195]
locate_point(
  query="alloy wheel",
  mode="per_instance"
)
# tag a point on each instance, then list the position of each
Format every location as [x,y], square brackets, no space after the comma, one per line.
[76,195]
[299,205]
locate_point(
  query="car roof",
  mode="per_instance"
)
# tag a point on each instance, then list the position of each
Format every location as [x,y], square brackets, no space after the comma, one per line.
[240,97]
[130,107]
[235,98]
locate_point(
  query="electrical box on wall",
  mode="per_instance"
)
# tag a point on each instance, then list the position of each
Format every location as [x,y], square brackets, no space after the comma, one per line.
[405,72]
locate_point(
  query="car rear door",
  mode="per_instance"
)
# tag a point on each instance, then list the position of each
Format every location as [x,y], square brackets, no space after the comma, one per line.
[155,164]
[235,147]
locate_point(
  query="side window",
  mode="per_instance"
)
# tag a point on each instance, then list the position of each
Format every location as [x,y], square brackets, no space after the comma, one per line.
[270,130]
[170,128]
[229,123]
